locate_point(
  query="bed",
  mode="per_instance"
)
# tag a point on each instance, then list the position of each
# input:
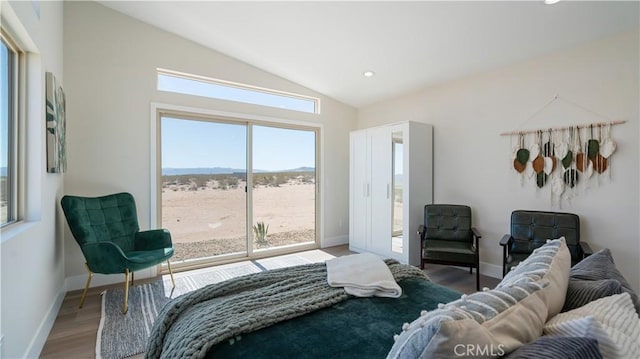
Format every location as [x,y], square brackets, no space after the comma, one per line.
[348,328]
[294,313]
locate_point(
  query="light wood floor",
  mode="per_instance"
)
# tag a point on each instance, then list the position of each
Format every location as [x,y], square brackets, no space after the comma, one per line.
[74,332]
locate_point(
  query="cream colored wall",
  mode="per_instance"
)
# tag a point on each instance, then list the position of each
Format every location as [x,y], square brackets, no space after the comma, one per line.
[110,67]
[32,254]
[472,162]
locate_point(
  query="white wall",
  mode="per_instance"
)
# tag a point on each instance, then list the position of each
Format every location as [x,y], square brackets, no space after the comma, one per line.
[110,67]
[32,251]
[473,164]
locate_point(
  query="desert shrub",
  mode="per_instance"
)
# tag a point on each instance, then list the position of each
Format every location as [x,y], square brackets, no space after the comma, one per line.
[261,180]
[233,182]
[280,179]
[398,195]
[260,230]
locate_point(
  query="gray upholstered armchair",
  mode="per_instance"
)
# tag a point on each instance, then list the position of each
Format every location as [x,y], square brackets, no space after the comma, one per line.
[106,229]
[531,229]
[447,237]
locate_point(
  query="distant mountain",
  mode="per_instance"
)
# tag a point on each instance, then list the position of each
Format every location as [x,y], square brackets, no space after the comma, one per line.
[302,169]
[201,171]
[222,170]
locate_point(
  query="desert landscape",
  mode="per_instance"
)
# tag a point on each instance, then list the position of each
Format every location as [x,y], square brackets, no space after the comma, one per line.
[206,214]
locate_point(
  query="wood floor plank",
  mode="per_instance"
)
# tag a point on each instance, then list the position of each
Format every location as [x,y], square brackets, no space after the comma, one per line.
[74,332]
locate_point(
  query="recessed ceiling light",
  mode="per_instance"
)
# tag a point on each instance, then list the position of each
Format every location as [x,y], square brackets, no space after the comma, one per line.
[551,2]
[368,73]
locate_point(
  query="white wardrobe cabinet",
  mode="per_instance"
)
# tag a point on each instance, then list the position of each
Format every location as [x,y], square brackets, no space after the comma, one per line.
[391,179]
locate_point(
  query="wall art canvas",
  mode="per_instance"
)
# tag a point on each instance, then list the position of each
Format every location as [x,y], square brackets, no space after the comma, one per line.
[56,122]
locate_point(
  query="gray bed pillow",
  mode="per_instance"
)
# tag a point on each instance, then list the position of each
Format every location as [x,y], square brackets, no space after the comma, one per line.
[558,347]
[600,266]
[581,292]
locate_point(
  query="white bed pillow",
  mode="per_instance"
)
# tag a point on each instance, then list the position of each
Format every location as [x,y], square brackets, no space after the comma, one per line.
[538,266]
[612,321]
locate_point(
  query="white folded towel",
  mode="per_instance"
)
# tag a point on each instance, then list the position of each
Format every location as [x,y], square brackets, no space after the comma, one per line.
[362,275]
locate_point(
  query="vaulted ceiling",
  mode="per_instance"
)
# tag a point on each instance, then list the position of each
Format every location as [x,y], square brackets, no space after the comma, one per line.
[326,46]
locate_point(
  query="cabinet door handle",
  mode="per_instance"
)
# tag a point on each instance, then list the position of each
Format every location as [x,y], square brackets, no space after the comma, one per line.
[388,187]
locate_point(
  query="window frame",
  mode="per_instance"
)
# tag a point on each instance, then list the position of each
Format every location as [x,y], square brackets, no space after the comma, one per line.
[237,86]
[15,92]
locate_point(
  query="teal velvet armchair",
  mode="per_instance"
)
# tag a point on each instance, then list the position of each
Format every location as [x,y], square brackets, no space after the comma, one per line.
[106,228]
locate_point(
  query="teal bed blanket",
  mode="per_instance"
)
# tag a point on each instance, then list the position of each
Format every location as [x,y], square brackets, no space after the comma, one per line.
[289,312]
[354,328]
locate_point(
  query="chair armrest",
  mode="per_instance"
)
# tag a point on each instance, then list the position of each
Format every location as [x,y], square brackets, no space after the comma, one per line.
[476,236]
[586,249]
[421,231]
[506,240]
[152,239]
[104,257]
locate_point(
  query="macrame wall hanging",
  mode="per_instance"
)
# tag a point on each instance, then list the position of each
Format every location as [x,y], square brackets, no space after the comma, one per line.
[565,160]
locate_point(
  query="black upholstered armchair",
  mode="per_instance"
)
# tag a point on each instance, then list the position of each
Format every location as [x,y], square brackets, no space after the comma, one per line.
[106,228]
[447,237]
[532,229]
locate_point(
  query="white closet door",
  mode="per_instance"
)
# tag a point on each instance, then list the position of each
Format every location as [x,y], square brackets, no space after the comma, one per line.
[360,189]
[381,191]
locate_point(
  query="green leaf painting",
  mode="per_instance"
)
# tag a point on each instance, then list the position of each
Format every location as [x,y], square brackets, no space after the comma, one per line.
[55,126]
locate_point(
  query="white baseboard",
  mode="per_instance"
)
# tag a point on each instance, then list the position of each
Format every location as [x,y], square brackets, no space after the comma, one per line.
[334,241]
[488,269]
[37,343]
[491,270]
[79,281]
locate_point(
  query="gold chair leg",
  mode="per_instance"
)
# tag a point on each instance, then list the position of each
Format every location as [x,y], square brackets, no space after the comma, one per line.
[125,306]
[171,274]
[86,287]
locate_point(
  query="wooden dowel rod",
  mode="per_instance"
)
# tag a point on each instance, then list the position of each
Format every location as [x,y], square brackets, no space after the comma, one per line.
[563,128]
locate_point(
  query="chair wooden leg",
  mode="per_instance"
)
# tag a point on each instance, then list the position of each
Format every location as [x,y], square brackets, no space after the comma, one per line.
[504,260]
[171,274]
[125,306]
[86,287]
[478,272]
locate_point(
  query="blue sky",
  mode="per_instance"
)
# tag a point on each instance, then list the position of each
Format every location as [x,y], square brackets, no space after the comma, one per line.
[196,144]
[4,112]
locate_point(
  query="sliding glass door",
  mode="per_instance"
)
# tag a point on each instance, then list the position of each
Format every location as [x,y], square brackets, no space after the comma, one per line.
[284,187]
[204,206]
[235,189]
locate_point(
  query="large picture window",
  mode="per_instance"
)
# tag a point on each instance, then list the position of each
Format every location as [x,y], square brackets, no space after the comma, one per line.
[9,61]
